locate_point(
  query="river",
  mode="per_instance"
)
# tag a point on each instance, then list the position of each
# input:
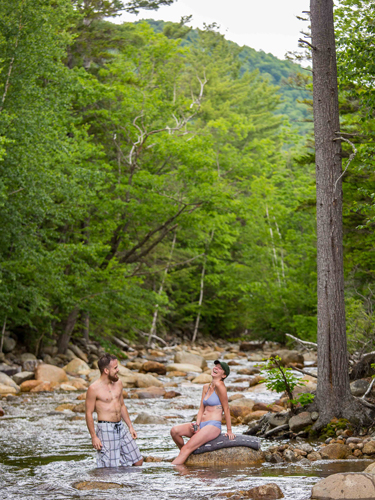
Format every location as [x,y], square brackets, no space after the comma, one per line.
[44,452]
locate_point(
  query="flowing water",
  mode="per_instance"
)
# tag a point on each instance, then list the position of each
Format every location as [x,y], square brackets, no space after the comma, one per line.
[44,452]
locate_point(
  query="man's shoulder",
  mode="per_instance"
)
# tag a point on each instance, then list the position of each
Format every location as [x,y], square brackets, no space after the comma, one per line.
[93,387]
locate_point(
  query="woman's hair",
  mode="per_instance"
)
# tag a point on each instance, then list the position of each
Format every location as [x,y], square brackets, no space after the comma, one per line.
[105,361]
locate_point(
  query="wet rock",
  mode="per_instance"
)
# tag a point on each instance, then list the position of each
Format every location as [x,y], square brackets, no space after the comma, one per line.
[314,456]
[275,458]
[335,451]
[152,459]
[203,378]
[67,387]
[20,377]
[96,485]
[77,367]
[270,491]
[43,386]
[300,421]
[305,447]
[8,344]
[154,367]
[369,448]
[278,419]
[7,389]
[171,394]
[354,440]
[290,456]
[248,371]
[79,384]
[232,363]
[146,419]
[2,413]
[261,407]
[359,387]
[234,397]
[176,374]
[50,373]
[238,455]
[29,384]
[184,357]
[345,486]
[65,406]
[183,367]
[258,379]
[6,380]
[151,392]
[80,407]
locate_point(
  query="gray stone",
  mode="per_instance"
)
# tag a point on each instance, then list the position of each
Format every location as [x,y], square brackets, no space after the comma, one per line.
[359,387]
[8,344]
[345,486]
[305,447]
[270,491]
[233,456]
[314,416]
[27,356]
[354,440]
[6,380]
[300,421]
[277,419]
[22,377]
[314,456]
[9,369]
[146,419]
[290,456]
[304,462]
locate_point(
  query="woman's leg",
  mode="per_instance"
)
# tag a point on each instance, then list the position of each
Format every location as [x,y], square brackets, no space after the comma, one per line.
[204,435]
[181,430]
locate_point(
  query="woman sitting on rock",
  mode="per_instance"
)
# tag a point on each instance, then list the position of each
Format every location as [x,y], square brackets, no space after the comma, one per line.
[208,427]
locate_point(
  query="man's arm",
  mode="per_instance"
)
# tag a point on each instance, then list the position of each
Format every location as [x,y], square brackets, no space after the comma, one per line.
[126,418]
[90,408]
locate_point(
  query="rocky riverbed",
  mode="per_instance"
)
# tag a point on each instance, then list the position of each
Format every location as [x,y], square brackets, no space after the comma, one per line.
[46,450]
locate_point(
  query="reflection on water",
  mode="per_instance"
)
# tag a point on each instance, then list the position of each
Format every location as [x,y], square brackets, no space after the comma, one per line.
[43,453]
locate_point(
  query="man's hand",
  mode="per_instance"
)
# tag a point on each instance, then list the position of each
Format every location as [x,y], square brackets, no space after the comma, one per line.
[133,433]
[97,444]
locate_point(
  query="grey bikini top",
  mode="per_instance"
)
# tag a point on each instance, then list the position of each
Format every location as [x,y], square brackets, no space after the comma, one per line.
[213,400]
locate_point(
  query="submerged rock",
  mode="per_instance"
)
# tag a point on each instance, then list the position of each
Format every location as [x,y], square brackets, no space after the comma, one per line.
[239,455]
[270,491]
[345,486]
[96,485]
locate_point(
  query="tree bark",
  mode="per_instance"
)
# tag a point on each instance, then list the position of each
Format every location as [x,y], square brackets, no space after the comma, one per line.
[67,329]
[333,391]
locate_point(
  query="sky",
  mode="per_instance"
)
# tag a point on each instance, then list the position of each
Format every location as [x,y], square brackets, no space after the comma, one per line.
[268,25]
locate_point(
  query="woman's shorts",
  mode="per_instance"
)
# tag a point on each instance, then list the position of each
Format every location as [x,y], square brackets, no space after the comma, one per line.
[216,423]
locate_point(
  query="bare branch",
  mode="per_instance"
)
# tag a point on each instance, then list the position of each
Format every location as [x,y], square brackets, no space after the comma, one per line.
[302,342]
[307,43]
[351,157]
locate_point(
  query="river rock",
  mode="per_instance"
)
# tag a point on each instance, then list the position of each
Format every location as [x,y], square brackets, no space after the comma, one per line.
[65,406]
[234,397]
[44,386]
[258,379]
[238,413]
[145,418]
[154,367]
[203,378]
[30,365]
[288,357]
[134,365]
[67,387]
[151,392]
[183,367]
[249,403]
[7,389]
[9,369]
[2,412]
[147,380]
[20,377]
[345,486]
[171,394]
[277,419]
[335,451]
[6,380]
[8,344]
[300,421]
[369,448]
[231,355]
[188,358]
[212,356]
[96,485]
[239,455]
[254,415]
[305,447]
[29,384]
[50,373]
[176,374]
[251,346]
[359,387]
[79,384]
[77,367]
[27,356]
[257,388]
[314,456]
[370,469]
[78,352]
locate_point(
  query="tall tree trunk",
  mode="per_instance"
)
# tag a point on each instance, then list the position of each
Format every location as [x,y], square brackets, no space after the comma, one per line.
[67,328]
[333,391]
[86,327]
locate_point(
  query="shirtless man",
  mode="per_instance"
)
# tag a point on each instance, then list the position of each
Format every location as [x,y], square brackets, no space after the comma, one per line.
[115,445]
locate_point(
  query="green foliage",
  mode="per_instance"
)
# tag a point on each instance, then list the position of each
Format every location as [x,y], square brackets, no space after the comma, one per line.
[304,399]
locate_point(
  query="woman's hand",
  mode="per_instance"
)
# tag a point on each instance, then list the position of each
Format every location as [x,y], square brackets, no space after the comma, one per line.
[230,435]
[194,427]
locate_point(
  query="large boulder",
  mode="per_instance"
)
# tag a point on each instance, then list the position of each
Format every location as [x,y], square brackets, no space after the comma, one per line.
[43,386]
[249,403]
[254,415]
[359,387]
[335,451]
[151,392]
[7,389]
[300,421]
[369,448]
[183,367]
[370,469]
[8,344]
[29,384]
[345,486]
[203,378]
[77,367]
[239,413]
[251,346]
[147,380]
[6,380]
[147,419]
[270,491]
[50,373]
[78,352]
[277,419]
[154,367]
[27,356]
[239,455]
[184,357]
[288,357]
[212,356]
[20,377]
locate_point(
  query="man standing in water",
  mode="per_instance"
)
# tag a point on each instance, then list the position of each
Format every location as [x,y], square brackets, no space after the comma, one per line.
[115,445]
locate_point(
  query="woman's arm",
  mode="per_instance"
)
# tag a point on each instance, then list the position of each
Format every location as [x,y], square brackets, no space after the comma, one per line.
[201,407]
[223,396]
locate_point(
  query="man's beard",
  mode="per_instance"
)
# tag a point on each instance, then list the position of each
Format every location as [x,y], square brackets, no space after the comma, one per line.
[113,378]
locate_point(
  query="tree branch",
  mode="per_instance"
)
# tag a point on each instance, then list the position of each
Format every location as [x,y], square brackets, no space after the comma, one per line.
[302,342]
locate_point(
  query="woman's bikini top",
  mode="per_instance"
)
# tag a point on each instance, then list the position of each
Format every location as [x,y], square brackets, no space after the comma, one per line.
[213,400]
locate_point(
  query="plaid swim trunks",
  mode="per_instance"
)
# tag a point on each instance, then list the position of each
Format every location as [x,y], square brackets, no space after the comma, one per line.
[119,448]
